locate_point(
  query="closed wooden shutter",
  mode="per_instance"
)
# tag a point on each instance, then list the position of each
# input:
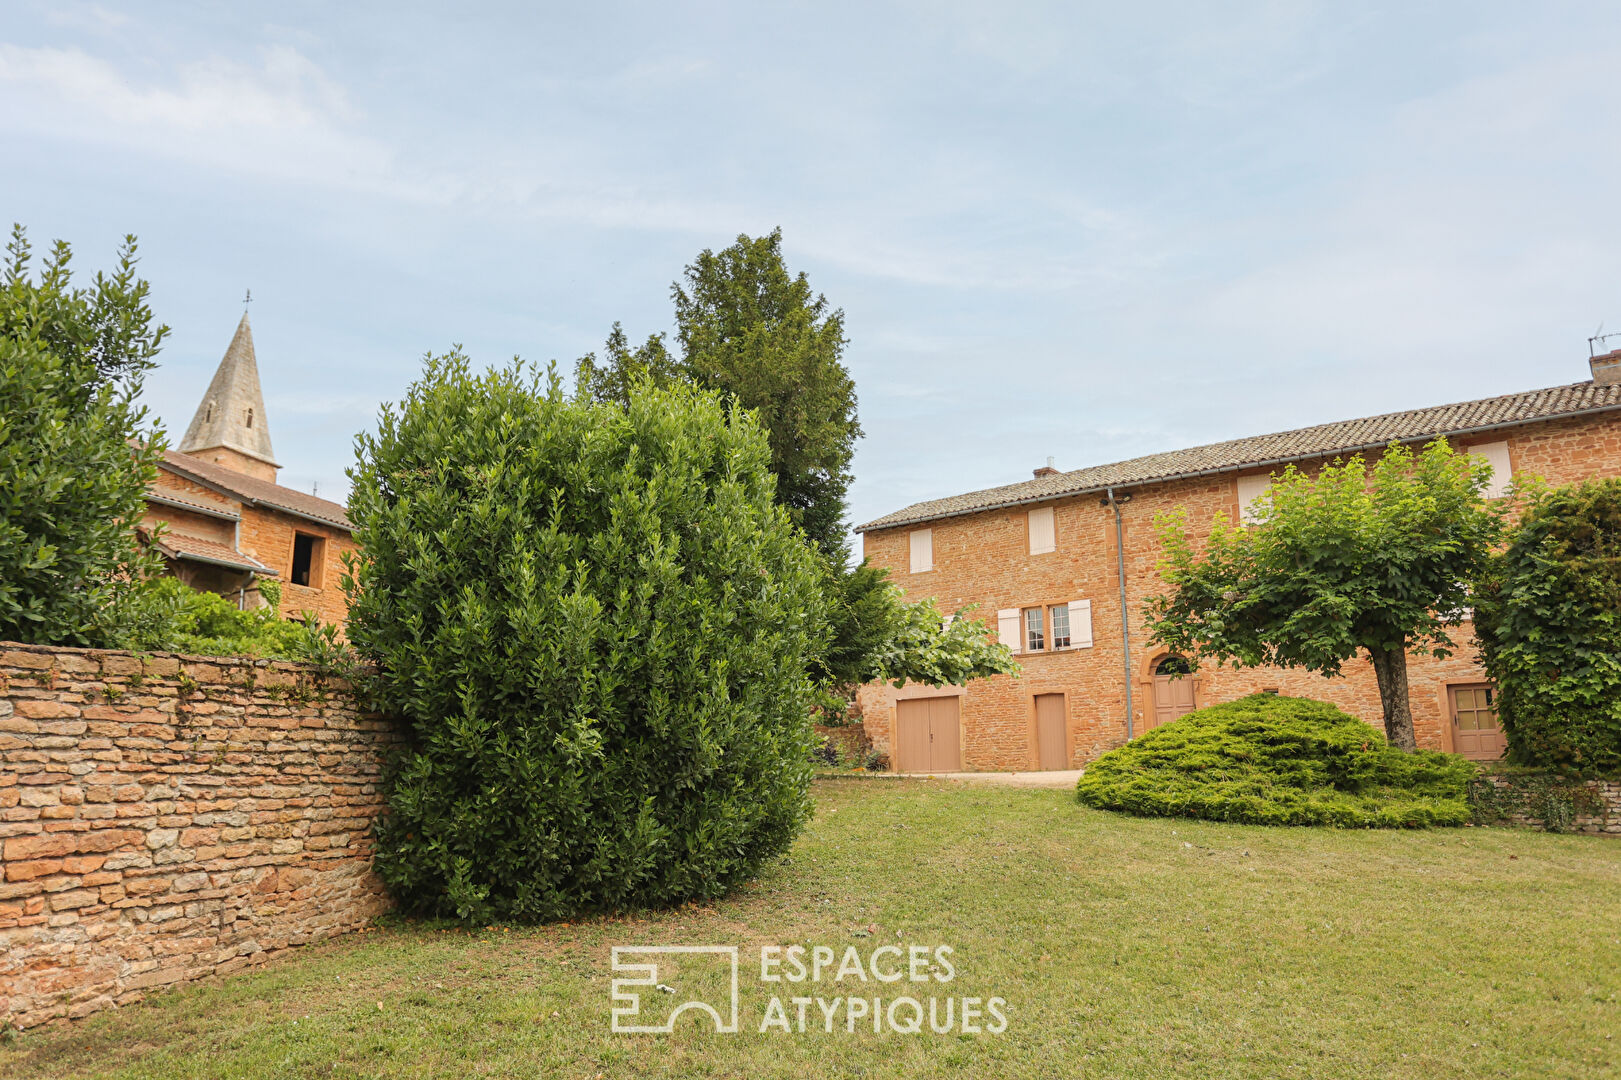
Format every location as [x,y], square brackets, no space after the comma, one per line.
[1008,630]
[1251,488]
[1080,624]
[1043,532]
[922,541]
[1496,454]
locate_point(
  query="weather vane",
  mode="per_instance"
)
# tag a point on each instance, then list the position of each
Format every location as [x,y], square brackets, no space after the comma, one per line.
[246,300]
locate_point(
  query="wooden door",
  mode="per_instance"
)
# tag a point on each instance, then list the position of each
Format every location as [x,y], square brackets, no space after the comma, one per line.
[926,735]
[1476,734]
[1051,749]
[1173,691]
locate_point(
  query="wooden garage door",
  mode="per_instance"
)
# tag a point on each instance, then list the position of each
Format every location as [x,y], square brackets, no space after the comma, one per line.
[1051,752]
[926,735]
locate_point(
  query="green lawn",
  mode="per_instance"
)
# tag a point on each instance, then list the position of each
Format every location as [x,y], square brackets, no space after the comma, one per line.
[1123,947]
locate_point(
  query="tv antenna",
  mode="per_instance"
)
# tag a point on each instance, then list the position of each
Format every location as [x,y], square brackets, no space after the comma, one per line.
[1599,337]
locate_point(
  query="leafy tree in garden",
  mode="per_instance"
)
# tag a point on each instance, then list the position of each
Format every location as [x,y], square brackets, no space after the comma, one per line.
[1377,559]
[76,453]
[878,636]
[1548,617]
[596,621]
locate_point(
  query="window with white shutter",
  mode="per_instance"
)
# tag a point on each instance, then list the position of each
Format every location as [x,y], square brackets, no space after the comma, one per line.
[1251,488]
[1080,624]
[1058,617]
[1043,532]
[1008,629]
[1496,454]
[922,542]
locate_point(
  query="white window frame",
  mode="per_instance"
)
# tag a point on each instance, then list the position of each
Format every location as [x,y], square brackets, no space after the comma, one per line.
[1041,612]
[1052,628]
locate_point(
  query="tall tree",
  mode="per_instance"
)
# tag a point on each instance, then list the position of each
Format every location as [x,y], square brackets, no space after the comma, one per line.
[76,453]
[751,329]
[1376,559]
[609,380]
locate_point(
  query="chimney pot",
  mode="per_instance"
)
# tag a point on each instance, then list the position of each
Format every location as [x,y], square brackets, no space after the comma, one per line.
[1607,368]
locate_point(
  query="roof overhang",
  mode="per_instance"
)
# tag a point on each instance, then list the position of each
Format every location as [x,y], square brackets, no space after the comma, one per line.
[247,500]
[196,508]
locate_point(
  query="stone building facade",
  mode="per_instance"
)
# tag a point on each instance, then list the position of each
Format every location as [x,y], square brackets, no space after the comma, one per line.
[1047,561]
[226,523]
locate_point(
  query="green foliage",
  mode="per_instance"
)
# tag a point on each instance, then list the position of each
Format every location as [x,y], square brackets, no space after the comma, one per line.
[1507,794]
[622,368]
[877,635]
[751,330]
[1273,760]
[76,454]
[1548,618]
[172,617]
[1376,559]
[596,621]
[270,591]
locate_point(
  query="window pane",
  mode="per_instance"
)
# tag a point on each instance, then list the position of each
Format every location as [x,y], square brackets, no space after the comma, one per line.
[1035,638]
[1061,627]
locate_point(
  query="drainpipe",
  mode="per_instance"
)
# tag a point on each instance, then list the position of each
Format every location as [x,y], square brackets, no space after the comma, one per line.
[1125,611]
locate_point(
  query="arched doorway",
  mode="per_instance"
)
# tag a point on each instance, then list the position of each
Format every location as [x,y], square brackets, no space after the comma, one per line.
[1173,689]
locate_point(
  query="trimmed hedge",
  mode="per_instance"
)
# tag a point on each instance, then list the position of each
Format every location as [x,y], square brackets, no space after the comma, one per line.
[1548,619]
[596,621]
[1273,760]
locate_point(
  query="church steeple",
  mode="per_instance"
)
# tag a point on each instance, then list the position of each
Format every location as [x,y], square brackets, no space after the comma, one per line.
[229,428]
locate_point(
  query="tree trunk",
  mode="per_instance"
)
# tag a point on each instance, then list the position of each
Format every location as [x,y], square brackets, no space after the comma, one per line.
[1390,667]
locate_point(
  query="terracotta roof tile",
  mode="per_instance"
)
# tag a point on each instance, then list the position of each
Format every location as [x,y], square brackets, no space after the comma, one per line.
[253,490]
[180,546]
[1301,444]
[187,499]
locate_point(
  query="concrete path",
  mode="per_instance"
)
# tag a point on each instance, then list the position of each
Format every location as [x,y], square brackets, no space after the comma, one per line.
[1062,778]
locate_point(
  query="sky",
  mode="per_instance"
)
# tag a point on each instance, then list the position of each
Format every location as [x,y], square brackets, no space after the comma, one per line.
[1080,230]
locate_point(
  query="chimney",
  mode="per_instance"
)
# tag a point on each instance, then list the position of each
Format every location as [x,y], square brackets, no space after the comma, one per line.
[1606,368]
[1048,470]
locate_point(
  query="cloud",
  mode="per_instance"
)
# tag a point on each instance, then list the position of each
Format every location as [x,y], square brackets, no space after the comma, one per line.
[281,118]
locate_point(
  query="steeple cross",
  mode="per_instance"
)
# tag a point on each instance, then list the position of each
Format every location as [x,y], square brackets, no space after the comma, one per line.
[246,300]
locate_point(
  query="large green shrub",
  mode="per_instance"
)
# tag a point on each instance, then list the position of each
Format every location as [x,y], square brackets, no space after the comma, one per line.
[1273,760]
[596,621]
[1548,619]
[76,452]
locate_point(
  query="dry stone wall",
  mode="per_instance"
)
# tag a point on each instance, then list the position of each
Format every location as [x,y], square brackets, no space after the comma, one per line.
[165,818]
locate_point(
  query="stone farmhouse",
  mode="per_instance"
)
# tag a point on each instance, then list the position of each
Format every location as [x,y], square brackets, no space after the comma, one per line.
[1056,560]
[229,524]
